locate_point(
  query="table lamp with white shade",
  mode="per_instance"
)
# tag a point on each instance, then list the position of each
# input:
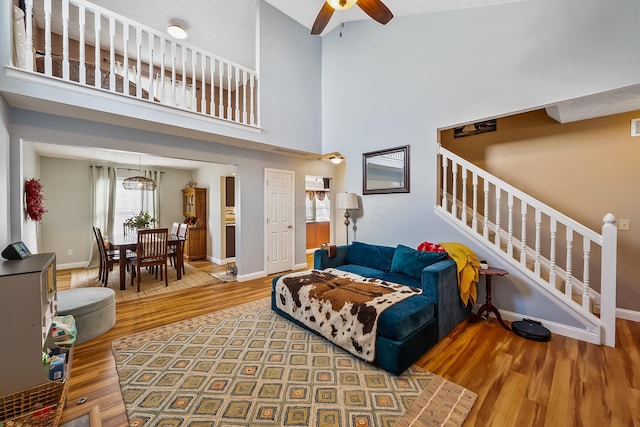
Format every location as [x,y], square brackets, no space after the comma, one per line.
[347,201]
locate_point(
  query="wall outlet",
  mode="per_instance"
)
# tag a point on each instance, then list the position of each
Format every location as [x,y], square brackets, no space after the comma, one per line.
[623,225]
[69,251]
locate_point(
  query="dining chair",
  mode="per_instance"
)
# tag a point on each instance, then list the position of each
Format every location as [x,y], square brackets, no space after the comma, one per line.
[182,235]
[151,251]
[107,258]
[174,228]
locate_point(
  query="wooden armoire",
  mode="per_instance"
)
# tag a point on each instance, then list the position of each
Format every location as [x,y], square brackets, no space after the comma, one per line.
[194,206]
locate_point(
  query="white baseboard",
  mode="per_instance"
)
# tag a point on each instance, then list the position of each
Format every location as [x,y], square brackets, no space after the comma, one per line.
[71,265]
[301,266]
[556,328]
[251,276]
[623,313]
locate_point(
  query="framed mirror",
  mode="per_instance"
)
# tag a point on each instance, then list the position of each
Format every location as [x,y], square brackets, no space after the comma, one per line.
[386,171]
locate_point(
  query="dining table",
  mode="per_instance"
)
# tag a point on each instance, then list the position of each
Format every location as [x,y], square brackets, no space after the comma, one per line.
[128,242]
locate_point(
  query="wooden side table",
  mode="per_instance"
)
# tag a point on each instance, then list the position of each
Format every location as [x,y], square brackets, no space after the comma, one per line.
[488,307]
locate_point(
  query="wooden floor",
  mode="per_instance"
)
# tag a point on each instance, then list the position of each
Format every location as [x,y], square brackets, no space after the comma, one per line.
[519,383]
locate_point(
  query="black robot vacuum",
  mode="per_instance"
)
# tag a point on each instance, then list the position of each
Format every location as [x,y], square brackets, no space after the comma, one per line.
[531,330]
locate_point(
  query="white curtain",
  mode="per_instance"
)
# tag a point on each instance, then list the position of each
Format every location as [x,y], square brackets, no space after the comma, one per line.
[103,203]
[151,199]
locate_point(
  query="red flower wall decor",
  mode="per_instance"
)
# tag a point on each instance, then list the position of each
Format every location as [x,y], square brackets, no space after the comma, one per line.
[34,199]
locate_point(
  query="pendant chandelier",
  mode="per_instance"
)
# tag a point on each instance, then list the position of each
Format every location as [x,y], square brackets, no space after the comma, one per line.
[139,183]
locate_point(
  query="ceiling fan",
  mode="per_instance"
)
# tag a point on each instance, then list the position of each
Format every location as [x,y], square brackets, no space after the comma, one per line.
[374,8]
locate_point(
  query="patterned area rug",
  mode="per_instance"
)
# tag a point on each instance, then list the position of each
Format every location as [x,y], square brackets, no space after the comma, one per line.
[247,366]
[149,285]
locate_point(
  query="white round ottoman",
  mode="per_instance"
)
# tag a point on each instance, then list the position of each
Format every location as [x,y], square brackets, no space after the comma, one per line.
[94,310]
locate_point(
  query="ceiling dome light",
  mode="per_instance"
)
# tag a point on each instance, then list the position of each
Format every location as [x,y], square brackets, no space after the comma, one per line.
[342,4]
[336,160]
[177,31]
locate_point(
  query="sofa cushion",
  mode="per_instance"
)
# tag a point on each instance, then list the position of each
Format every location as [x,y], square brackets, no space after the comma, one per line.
[411,262]
[374,256]
[400,278]
[361,270]
[401,319]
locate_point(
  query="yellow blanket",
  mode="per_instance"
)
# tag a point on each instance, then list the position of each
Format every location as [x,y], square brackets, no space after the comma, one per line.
[468,266]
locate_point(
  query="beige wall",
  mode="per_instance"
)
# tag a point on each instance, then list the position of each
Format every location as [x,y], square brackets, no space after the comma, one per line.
[583,169]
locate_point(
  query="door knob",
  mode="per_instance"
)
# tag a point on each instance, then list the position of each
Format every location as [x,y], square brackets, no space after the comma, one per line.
[291,226]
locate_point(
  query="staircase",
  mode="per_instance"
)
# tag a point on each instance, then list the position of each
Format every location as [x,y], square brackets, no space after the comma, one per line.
[567,261]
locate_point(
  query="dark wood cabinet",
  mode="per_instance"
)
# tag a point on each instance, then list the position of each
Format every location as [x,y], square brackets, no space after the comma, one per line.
[230,191]
[231,241]
[194,201]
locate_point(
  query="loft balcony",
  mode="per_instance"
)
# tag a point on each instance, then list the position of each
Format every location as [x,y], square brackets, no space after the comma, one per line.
[83,46]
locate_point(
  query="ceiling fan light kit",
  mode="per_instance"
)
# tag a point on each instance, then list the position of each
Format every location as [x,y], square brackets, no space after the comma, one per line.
[342,4]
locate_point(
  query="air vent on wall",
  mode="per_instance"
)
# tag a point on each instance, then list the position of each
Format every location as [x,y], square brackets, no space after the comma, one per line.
[635,127]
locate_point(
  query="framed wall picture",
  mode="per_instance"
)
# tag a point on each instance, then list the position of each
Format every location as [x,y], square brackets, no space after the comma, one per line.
[475,128]
[386,171]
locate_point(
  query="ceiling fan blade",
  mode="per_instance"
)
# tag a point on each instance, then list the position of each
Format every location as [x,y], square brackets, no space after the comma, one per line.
[376,10]
[322,19]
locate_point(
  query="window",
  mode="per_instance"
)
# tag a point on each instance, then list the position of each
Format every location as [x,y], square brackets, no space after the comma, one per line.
[317,206]
[128,203]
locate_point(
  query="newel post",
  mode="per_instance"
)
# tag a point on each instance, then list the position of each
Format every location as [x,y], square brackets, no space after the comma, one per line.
[608,280]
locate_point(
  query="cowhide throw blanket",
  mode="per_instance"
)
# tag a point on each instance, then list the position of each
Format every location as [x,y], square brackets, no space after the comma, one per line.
[343,307]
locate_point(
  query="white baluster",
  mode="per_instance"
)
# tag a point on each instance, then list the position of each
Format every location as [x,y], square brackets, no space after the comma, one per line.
[65,39]
[212,68]
[173,74]
[125,57]
[112,56]
[510,225]
[485,225]
[203,97]
[523,237]
[244,96]
[221,97]
[567,284]
[552,253]
[536,265]
[138,63]
[464,196]
[253,116]
[28,19]
[82,53]
[194,82]
[474,218]
[97,22]
[163,57]
[229,108]
[184,78]
[497,231]
[454,189]
[152,46]
[48,65]
[445,180]
[586,248]
[237,116]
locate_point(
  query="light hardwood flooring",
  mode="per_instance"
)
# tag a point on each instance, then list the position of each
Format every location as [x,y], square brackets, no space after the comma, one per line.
[519,382]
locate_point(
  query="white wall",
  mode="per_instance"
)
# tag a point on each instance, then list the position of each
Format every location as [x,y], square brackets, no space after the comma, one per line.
[398,84]
[30,230]
[4,174]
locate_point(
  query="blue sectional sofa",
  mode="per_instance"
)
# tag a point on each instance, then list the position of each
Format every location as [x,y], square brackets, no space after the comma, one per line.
[411,327]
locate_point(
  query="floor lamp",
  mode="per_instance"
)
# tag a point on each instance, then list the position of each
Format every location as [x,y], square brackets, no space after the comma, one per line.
[347,201]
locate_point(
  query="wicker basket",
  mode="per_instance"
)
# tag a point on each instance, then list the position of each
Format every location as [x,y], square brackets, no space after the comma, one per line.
[40,405]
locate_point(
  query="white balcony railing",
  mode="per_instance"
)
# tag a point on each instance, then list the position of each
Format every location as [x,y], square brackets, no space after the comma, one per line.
[79,42]
[569,261]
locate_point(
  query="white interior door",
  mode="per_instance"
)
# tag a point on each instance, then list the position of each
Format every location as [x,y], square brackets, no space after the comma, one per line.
[280,220]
